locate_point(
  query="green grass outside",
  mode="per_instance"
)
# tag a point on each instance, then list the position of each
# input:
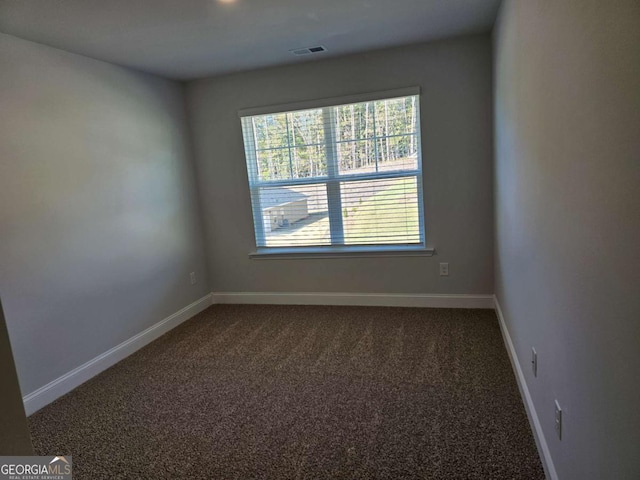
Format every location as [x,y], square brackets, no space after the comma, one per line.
[374,222]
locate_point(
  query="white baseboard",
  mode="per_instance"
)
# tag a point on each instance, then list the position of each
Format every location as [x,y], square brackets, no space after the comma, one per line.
[541,442]
[34,401]
[356,299]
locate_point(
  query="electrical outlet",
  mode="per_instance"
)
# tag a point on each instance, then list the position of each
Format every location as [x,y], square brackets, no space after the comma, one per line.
[444,269]
[534,361]
[192,276]
[558,420]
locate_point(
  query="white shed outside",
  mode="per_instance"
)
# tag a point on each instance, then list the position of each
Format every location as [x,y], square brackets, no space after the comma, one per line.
[282,207]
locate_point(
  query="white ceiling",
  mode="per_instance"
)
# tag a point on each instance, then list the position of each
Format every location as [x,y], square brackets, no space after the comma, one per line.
[194,38]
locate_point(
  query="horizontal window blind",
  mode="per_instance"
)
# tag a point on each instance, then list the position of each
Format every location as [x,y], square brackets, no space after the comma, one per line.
[338,175]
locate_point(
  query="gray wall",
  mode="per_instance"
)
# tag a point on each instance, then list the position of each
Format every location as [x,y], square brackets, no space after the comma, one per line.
[455,77]
[567,176]
[14,433]
[98,215]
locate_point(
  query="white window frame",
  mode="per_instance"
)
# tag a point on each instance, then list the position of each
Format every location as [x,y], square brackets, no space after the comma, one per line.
[333,179]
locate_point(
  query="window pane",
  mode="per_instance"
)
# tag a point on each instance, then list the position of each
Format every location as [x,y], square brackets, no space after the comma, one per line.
[274,164]
[398,153]
[393,153]
[356,156]
[307,127]
[271,131]
[309,156]
[380,211]
[396,116]
[354,121]
[295,216]
[309,161]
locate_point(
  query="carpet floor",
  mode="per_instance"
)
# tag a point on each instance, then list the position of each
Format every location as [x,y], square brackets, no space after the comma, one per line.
[290,392]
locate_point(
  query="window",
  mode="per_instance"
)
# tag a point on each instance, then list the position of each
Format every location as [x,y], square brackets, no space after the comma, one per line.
[337,177]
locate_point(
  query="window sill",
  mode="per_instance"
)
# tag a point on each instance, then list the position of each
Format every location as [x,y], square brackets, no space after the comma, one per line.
[284,253]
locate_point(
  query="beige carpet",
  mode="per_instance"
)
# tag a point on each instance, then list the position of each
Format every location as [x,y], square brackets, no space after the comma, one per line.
[303,392]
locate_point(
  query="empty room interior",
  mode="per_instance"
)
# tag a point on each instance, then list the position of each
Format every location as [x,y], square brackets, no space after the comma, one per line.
[341,239]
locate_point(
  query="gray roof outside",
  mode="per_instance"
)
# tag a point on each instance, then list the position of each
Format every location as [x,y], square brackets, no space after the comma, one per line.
[275,197]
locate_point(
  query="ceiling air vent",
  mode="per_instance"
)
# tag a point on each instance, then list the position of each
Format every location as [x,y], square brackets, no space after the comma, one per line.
[308,50]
